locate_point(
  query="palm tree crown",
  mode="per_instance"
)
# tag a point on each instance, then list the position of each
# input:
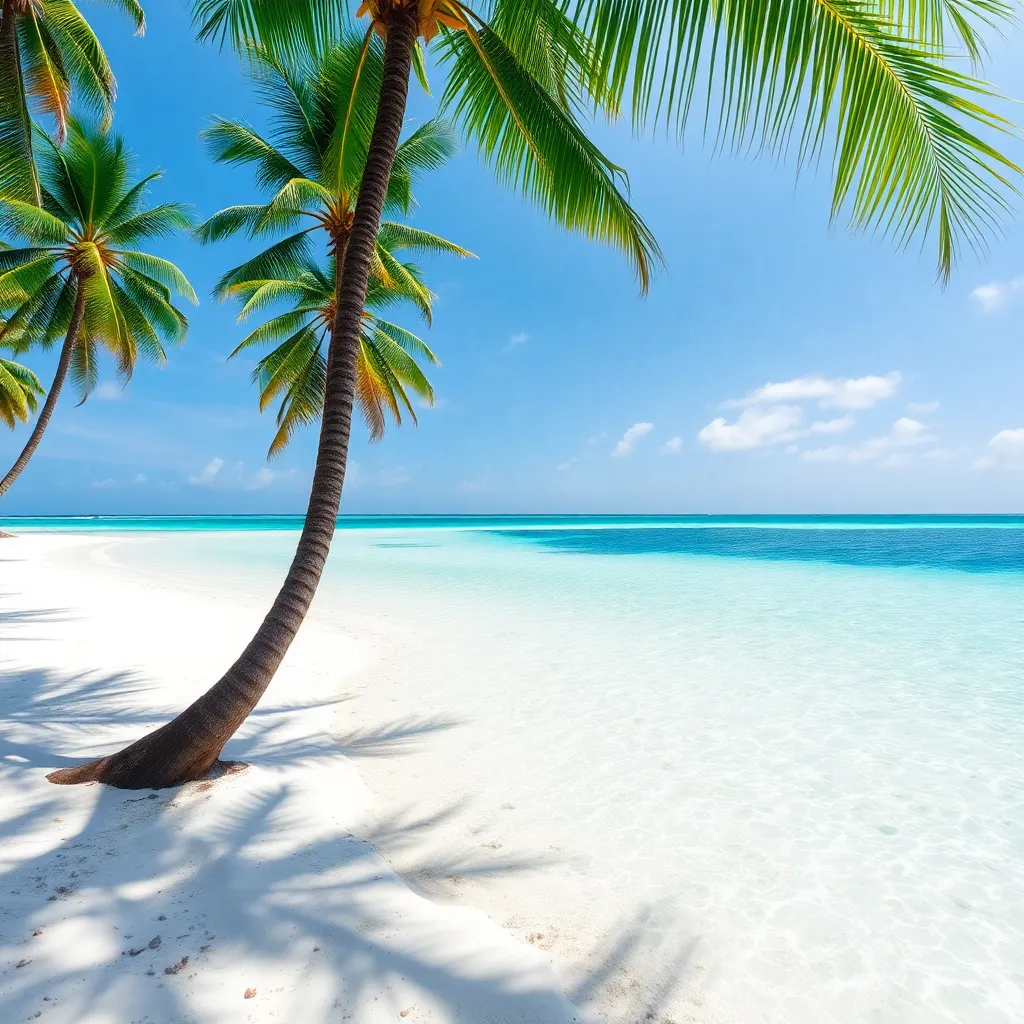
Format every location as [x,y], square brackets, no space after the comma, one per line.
[296,369]
[20,392]
[311,163]
[47,52]
[80,275]
[84,241]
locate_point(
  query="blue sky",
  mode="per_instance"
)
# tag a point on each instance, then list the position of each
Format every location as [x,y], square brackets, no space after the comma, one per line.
[561,389]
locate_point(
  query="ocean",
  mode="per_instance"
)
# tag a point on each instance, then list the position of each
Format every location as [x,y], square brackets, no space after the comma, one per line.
[784,756]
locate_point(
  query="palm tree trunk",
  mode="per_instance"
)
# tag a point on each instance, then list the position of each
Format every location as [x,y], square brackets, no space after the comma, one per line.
[66,352]
[18,177]
[188,747]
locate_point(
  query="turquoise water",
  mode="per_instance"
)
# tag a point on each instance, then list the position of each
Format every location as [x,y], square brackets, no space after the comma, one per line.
[800,740]
[292,522]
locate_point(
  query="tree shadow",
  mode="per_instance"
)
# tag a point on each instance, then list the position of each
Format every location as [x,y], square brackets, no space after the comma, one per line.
[256,881]
[14,617]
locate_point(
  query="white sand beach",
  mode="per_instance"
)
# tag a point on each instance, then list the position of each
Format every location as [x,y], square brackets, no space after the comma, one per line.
[253,898]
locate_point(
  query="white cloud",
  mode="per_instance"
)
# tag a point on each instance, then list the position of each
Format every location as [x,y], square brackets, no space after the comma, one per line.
[922,408]
[755,428]
[208,473]
[140,478]
[836,426]
[905,433]
[103,485]
[1010,442]
[108,391]
[515,341]
[1006,446]
[837,392]
[263,477]
[996,294]
[673,446]
[630,439]
[393,477]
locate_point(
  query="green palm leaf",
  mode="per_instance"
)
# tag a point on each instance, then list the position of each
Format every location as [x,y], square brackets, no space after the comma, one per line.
[20,391]
[535,147]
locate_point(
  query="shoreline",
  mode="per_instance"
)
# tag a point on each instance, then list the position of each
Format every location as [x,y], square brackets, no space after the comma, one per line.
[259,881]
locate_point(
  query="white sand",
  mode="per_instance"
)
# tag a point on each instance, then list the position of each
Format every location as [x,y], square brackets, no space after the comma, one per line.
[259,880]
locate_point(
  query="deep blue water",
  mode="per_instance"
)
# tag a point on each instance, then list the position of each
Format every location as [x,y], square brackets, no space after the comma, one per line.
[976,544]
[961,548]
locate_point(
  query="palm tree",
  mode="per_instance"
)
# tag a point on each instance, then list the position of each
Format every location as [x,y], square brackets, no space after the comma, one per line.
[80,275]
[870,74]
[20,392]
[296,369]
[48,51]
[311,164]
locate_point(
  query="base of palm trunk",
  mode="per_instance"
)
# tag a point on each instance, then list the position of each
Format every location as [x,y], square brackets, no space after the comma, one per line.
[163,758]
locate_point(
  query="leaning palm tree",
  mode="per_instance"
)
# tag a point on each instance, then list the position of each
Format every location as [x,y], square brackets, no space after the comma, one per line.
[47,53]
[80,276]
[295,370]
[869,75]
[20,392]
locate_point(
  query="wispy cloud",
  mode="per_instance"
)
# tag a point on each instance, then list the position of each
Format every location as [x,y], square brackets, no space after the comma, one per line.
[515,341]
[836,426]
[140,478]
[905,433]
[394,477]
[630,439]
[475,487]
[108,391]
[673,446]
[103,485]
[207,474]
[1005,447]
[834,392]
[263,477]
[755,428]
[996,294]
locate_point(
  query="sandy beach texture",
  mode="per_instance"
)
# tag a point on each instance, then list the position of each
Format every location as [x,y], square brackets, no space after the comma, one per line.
[255,898]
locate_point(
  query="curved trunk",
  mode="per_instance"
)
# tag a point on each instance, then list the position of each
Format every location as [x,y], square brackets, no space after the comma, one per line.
[188,747]
[67,350]
[18,176]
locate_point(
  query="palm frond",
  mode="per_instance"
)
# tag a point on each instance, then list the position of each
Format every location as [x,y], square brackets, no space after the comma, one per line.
[160,221]
[291,29]
[907,131]
[536,147]
[20,391]
[275,262]
[46,78]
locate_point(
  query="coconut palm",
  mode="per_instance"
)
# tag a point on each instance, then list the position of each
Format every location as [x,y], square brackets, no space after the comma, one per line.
[20,392]
[295,370]
[868,77]
[310,163]
[47,53]
[80,276]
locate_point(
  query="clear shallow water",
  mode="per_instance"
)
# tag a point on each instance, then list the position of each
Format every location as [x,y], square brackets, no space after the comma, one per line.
[794,751]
